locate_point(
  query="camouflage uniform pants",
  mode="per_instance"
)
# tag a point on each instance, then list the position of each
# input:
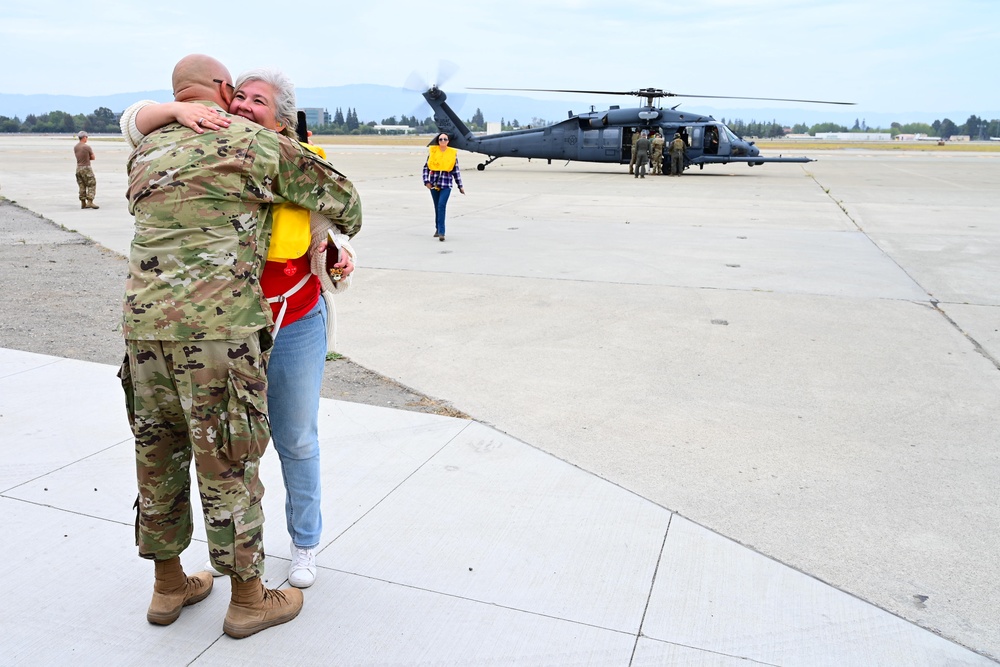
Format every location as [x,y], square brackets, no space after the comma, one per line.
[657,158]
[676,164]
[204,399]
[88,184]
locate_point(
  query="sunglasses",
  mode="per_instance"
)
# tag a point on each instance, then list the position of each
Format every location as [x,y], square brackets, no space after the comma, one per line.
[442,138]
[226,83]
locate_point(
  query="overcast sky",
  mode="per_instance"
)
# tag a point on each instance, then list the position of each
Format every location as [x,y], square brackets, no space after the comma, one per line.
[885,55]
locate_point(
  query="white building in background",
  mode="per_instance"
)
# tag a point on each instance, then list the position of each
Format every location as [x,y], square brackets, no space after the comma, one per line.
[854,136]
[393,129]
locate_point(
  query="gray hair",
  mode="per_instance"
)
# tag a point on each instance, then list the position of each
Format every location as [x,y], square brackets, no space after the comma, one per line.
[284,94]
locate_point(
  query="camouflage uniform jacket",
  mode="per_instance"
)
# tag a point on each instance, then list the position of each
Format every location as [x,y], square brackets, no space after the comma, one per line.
[202,223]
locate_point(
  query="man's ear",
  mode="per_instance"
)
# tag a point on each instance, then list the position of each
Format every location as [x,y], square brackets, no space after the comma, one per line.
[228,95]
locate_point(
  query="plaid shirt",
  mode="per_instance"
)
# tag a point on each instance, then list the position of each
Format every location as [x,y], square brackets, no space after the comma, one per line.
[442,179]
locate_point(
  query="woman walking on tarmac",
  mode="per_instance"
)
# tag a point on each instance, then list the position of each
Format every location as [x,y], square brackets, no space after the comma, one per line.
[441,166]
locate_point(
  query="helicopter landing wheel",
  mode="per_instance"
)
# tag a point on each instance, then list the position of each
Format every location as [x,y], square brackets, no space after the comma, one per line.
[482,165]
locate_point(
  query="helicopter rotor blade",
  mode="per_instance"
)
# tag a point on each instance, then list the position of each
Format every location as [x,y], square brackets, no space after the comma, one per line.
[767,99]
[552,90]
[418,83]
[655,93]
[415,83]
[446,70]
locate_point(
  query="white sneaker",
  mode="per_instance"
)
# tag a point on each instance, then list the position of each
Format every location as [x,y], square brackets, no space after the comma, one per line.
[302,571]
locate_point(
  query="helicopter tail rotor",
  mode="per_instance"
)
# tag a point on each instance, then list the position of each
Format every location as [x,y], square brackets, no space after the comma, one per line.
[418,83]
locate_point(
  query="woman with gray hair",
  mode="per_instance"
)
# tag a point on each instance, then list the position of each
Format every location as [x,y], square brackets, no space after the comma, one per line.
[266,96]
[280,102]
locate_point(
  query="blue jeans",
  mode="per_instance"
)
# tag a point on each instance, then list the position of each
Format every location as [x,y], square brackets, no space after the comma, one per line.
[440,198]
[294,379]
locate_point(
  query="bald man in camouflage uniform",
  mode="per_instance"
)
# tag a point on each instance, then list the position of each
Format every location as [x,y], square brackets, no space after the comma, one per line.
[197,326]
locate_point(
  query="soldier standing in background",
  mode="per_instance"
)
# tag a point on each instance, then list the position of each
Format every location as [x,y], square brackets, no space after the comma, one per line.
[635,139]
[197,334]
[641,154]
[84,174]
[657,153]
[677,156]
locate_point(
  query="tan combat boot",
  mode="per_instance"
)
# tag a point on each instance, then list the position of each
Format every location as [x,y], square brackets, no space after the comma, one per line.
[254,608]
[92,204]
[83,204]
[174,590]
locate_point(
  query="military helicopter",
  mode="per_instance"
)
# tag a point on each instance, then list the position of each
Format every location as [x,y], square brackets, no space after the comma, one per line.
[606,136]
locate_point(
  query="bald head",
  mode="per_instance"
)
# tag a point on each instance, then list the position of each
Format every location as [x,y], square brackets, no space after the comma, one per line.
[194,79]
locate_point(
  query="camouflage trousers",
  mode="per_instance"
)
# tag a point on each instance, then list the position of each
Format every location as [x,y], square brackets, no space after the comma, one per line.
[88,184]
[676,164]
[656,157]
[206,400]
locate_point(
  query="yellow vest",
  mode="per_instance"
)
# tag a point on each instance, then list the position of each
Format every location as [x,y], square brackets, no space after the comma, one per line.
[441,160]
[290,233]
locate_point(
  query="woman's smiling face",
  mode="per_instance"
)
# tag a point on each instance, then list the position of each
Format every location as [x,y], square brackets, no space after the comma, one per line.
[255,101]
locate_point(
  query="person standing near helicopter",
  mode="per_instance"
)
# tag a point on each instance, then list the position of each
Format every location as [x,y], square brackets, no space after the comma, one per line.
[677,155]
[635,140]
[440,168]
[657,152]
[641,155]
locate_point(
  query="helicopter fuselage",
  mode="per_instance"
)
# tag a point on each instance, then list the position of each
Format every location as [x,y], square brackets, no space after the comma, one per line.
[603,136]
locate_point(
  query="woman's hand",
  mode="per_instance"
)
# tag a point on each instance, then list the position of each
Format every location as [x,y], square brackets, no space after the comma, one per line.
[346,263]
[198,117]
[462,190]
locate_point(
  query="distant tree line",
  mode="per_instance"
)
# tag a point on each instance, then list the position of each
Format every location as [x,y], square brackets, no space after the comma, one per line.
[975,128]
[103,121]
[349,123]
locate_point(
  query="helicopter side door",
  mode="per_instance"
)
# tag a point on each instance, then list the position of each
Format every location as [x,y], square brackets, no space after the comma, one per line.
[612,140]
[600,145]
[712,138]
[626,146]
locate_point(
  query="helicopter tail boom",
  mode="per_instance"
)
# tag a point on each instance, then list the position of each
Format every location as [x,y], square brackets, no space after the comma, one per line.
[446,118]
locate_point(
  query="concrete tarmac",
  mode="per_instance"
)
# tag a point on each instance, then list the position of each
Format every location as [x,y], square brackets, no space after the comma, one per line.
[803,358]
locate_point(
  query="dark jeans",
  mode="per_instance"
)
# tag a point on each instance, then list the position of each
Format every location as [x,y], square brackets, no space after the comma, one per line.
[440,198]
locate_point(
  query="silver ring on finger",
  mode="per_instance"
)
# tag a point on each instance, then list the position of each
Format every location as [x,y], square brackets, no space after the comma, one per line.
[200,121]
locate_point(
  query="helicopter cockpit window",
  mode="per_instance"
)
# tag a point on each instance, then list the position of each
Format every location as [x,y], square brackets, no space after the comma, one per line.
[732,137]
[590,138]
[724,140]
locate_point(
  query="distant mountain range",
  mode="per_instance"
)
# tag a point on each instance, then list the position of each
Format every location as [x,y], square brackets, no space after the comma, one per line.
[374,103]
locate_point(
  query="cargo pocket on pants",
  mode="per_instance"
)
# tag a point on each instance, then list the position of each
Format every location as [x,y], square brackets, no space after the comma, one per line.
[125,375]
[248,545]
[245,425]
